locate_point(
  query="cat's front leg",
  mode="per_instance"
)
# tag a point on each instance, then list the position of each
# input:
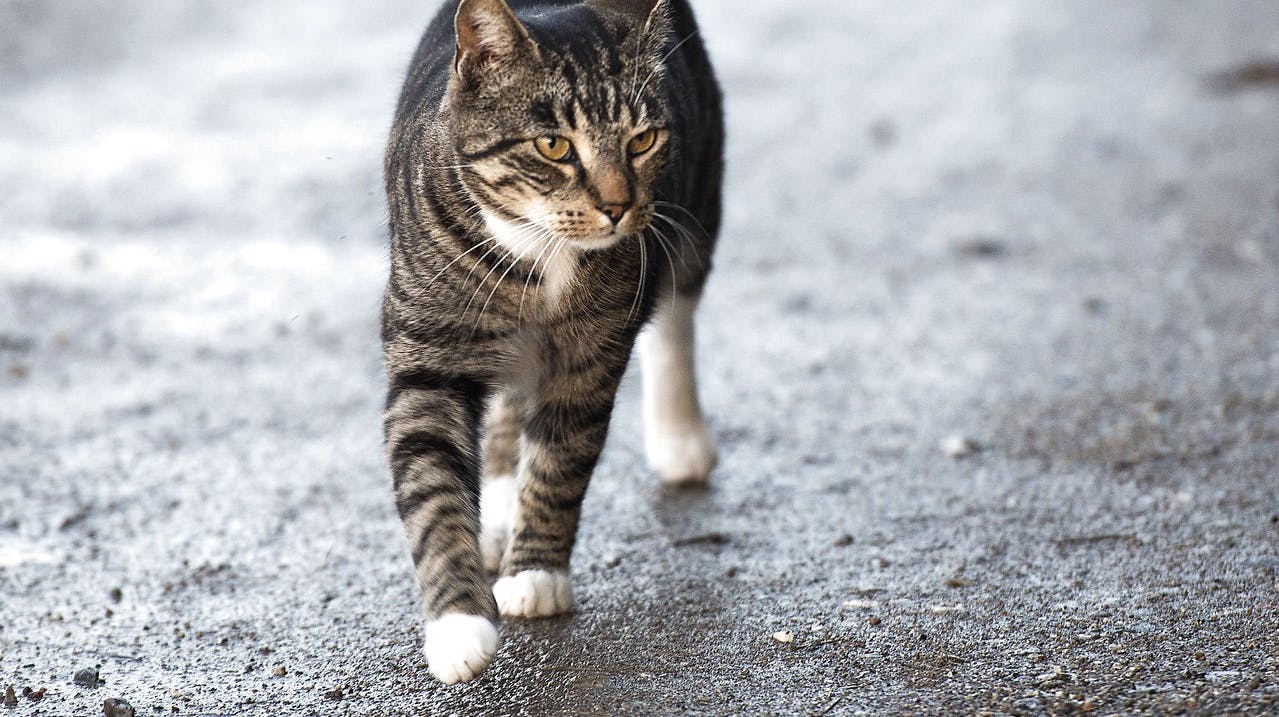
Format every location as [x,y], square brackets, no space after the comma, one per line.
[432,435]
[564,432]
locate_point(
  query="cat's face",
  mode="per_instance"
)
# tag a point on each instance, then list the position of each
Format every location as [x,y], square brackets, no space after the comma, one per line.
[560,124]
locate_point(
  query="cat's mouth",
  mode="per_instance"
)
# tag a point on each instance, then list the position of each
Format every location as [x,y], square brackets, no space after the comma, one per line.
[536,234]
[604,236]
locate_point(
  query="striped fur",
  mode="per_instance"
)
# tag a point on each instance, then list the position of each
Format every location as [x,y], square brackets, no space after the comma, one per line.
[514,298]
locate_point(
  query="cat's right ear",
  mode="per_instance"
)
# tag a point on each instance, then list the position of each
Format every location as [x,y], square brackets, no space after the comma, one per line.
[488,36]
[652,19]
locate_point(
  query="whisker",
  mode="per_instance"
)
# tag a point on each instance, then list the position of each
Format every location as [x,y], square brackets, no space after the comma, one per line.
[684,236]
[554,253]
[532,235]
[455,260]
[448,166]
[687,213]
[661,242]
[521,232]
[660,66]
[643,277]
[479,318]
[519,314]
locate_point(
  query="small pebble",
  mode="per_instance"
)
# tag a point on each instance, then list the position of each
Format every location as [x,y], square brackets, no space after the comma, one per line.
[874,620]
[843,541]
[88,677]
[280,671]
[784,636]
[33,695]
[957,446]
[861,604]
[334,694]
[981,246]
[115,707]
[116,594]
[10,699]
[883,132]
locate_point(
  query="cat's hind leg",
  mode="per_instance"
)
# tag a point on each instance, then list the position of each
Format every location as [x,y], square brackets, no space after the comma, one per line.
[676,441]
[499,489]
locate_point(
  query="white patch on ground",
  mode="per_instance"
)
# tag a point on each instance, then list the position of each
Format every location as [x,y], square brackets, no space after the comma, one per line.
[13,555]
[957,446]
[534,593]
[459,647]
[499,498]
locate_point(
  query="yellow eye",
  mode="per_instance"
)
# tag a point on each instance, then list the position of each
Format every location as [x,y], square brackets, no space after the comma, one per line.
[556,149]
[642,142]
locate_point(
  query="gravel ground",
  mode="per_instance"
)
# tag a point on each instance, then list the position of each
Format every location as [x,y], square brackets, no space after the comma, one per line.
[991,351]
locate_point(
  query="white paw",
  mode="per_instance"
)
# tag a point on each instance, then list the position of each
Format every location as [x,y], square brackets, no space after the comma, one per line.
[498,500]
[459,647]
[681,453]
[534,593]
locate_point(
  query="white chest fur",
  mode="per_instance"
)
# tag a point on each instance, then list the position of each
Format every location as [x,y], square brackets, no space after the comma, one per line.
[555,260]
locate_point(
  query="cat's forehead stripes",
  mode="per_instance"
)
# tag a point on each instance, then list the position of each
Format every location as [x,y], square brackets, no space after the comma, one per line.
[585,101]
[599,93]
[600,78]
[608,108]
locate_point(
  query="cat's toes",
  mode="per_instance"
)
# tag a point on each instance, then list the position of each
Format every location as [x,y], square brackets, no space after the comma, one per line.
[498,499]
[459,647]
[534,593]
[681,454]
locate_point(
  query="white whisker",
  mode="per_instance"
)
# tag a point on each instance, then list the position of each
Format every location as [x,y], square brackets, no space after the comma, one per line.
[643,277]
[660,64]
[687,213]
[670,261]
[682,232]
[519,314]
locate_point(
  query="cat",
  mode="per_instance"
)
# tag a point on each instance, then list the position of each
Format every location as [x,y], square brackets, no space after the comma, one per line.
[553,183]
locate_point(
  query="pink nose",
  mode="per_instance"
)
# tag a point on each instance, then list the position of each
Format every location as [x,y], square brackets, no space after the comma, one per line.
[614,211]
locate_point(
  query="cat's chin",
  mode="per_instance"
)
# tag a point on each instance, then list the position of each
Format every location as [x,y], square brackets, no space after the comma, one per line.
[603,241]
[597,243]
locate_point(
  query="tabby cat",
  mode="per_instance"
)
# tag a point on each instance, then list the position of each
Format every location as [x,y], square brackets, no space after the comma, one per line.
[553,178]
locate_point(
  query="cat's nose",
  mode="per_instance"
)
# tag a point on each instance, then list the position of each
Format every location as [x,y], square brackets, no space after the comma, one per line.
[614,211]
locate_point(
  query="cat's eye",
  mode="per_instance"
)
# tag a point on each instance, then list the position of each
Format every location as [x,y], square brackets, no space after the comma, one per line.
[556,149]
[642,142]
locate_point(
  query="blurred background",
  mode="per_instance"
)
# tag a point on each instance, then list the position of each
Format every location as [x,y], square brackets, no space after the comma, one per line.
[1044,233]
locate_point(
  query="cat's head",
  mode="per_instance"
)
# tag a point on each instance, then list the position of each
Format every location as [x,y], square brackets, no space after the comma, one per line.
[560,120]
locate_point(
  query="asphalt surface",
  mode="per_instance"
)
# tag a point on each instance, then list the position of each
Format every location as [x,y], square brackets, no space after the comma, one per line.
[1049,228]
